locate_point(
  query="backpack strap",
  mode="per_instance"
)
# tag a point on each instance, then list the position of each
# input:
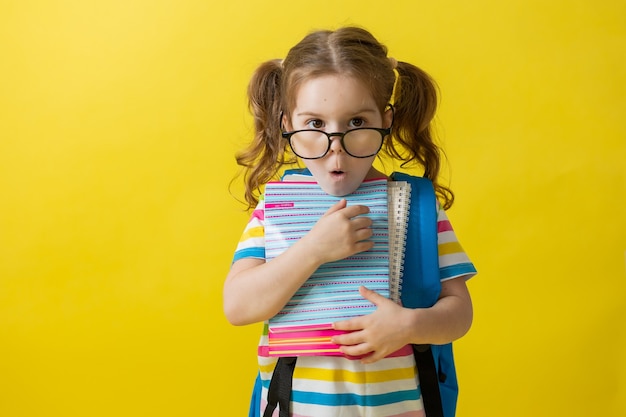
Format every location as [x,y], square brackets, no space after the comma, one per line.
[429,381]
[279,392]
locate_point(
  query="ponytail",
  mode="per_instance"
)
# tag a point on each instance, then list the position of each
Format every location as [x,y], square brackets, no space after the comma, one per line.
[415,103]
[265,154]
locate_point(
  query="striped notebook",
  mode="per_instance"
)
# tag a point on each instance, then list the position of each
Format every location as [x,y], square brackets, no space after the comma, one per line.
[304,326]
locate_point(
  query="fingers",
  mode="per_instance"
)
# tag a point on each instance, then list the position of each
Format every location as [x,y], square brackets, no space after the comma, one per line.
[356,210]
[352,344]
[372,296]
[341,232]
[349,212]
[341,204]
[362,222]
[359,225]
[353,328]
[355,323]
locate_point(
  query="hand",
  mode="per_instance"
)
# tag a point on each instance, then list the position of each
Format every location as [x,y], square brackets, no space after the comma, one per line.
[375,335]
[341,232]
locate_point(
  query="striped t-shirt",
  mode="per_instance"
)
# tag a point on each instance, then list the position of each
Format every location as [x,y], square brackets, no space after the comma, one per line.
[338,386]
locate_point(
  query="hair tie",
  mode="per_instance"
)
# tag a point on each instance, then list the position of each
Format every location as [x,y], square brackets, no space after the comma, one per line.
[396,75]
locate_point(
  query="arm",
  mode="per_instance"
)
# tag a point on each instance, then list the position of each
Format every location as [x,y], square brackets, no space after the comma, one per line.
[391,326]
[256,290]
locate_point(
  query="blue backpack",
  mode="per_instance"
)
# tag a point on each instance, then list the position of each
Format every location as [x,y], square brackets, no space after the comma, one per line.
[421,286]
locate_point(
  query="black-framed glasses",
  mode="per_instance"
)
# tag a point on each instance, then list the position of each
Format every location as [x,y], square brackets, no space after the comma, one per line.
[361,142]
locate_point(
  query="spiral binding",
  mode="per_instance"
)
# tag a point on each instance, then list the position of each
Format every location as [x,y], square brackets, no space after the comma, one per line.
[399,204]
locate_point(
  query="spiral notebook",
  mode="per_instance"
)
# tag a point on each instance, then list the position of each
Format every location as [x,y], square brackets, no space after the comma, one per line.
[304,326]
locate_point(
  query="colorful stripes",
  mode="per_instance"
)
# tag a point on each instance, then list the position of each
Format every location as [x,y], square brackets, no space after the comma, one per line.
[303,341]
[349,399]
[453,261]
[325,386]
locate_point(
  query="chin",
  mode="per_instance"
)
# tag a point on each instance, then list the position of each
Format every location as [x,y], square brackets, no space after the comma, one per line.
[339,190]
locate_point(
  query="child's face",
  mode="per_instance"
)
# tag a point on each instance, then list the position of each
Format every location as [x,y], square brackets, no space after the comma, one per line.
[334,103]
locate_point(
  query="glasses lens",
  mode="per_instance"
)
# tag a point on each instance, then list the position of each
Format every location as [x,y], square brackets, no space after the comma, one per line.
[309,143]
[363,142]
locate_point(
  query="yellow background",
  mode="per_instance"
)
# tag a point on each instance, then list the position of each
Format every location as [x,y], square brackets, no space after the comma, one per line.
[118,124]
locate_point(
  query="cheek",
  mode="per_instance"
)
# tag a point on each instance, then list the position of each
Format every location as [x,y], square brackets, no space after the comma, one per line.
[313,165]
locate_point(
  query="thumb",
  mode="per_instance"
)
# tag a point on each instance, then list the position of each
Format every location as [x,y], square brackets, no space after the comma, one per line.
[341,204]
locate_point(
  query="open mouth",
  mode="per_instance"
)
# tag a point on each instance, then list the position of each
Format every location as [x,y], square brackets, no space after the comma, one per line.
[337,174]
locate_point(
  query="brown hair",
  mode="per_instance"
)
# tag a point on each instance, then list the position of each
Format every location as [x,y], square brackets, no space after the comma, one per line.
[347,51]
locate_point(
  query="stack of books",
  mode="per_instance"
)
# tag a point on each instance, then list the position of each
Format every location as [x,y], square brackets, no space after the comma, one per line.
[292,207]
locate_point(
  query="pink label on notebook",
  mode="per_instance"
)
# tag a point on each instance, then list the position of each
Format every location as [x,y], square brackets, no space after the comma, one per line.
[278,205]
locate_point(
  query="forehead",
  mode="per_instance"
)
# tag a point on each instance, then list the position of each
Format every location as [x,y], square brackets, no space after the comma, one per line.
[333,94]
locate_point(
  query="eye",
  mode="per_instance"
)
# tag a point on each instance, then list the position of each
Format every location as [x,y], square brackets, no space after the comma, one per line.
[315,124]
[357,122]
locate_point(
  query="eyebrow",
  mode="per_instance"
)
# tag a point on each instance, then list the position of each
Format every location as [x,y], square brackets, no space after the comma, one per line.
[313,114]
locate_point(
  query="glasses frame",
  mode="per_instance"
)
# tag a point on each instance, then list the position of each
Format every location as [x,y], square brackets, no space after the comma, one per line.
[341,135]
[383,132]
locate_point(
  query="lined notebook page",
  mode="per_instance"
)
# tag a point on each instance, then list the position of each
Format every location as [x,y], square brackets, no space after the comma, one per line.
[331,293]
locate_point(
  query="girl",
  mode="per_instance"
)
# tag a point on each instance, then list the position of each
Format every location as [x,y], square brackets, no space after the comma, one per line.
[330,103]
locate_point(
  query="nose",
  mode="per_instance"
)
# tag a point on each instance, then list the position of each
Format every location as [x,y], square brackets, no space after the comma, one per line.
[335,142]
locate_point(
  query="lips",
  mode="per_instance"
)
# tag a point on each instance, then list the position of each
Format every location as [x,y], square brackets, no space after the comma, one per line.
[337,175]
